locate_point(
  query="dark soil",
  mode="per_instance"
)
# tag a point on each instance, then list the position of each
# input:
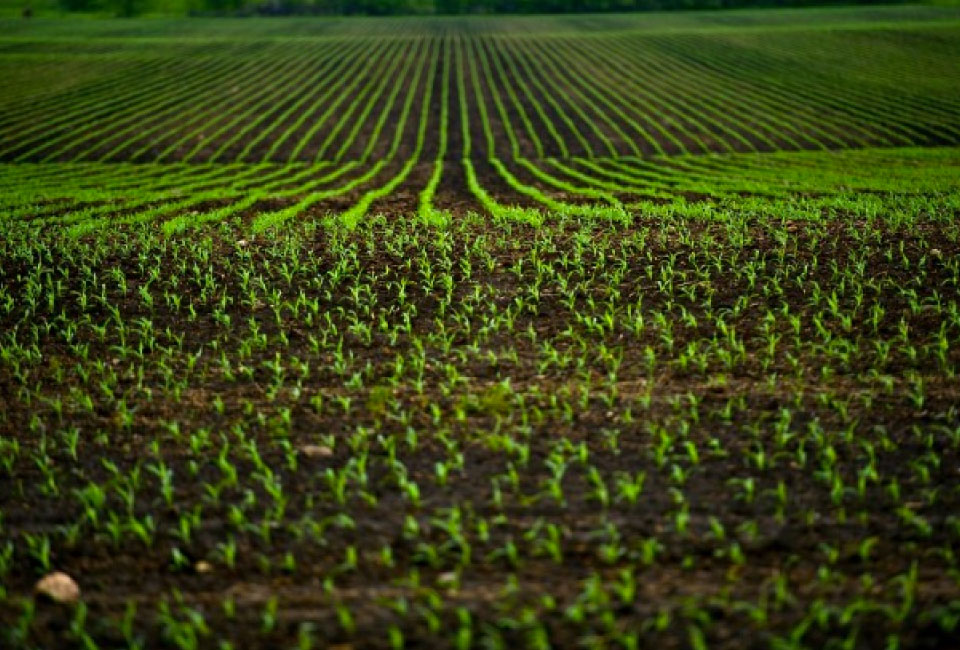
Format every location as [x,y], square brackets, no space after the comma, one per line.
[292,572]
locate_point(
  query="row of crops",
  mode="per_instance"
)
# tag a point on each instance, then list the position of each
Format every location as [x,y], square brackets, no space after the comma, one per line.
[602,332]
[721,421]
[77,199]
[343,99]
[504,121]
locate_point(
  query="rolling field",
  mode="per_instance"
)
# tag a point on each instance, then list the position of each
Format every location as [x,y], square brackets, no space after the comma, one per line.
[604,331]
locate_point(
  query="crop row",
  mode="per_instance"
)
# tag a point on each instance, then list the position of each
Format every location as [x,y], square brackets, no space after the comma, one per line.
[82,197]
[518,123]
[592,96]
[710,422]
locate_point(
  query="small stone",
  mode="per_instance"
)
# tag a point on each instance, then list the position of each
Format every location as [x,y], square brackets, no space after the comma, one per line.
[243,243]
[447,579]
[317,451]
[935,252]
[58,587]
[203,567]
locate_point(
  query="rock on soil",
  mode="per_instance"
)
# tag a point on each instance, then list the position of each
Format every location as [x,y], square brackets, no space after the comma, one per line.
[316,450]
[58,587]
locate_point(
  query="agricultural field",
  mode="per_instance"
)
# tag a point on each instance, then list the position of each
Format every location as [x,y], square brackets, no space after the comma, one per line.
[598,331]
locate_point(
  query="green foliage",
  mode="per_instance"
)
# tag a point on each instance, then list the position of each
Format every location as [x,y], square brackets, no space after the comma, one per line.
[488,332]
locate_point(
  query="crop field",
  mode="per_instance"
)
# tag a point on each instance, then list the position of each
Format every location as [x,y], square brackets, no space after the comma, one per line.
[597,331]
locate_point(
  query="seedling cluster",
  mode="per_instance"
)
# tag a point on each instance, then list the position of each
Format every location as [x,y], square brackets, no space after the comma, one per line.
[482,333]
